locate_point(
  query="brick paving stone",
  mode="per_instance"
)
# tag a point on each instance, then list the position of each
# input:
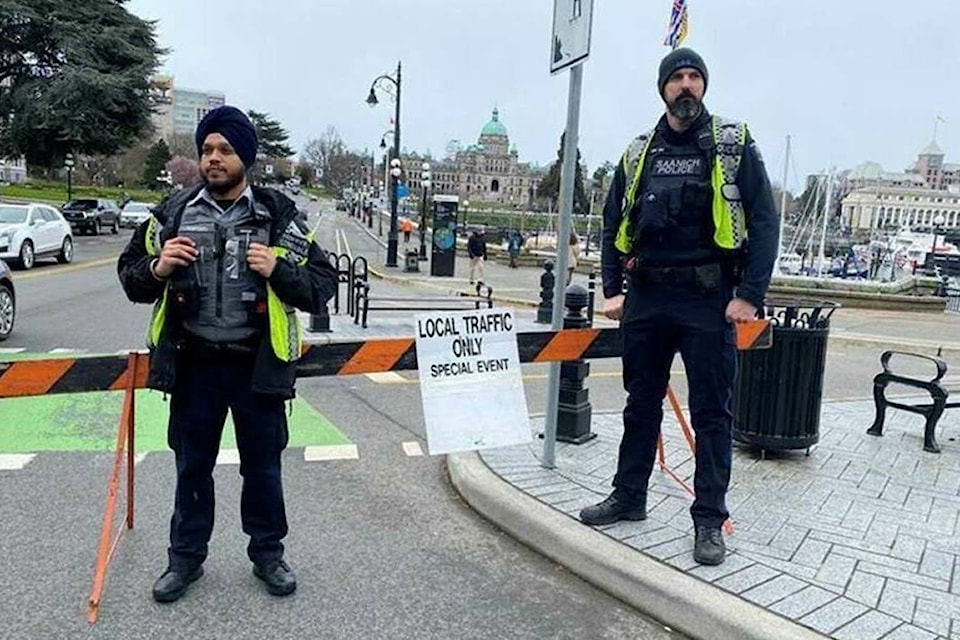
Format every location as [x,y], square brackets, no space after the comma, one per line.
[904,576]
[642,536]
[733,563]
[897,602]
[836,570]
[895,493]
[937,564]
[909,632]
[774,590]
[683,544]
[909,548]
[927,617]
[834,615]
[747,578]
[886,560]
[870,626]
[865,588]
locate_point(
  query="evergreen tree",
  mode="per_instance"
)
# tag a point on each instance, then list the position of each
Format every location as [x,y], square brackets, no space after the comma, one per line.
[157,158]
[74,78]
[549,187]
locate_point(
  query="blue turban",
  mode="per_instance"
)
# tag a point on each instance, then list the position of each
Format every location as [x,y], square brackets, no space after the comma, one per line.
[235,126]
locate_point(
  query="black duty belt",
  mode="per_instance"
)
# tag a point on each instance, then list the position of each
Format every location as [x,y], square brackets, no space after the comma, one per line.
[707,277]
[198,346]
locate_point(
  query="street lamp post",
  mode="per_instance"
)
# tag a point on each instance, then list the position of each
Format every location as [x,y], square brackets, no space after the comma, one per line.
[395,176]
[466,205]
[380,217]
[68,163]
[425,182]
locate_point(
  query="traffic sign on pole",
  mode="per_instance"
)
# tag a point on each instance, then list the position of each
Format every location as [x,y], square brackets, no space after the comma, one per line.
[572,24]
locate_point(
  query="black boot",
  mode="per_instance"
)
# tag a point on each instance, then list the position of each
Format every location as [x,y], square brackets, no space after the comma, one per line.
[278,576]
[619,505]
[173,584]
[709,548]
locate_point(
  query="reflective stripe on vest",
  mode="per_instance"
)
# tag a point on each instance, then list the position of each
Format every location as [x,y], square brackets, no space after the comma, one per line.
[729,217]
[157,319]
[286,332]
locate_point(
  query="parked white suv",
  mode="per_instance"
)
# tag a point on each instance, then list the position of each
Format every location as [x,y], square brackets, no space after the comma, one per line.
[31,231]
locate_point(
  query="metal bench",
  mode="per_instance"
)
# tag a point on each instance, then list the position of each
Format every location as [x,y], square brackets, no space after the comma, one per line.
[938,386]
[455,302]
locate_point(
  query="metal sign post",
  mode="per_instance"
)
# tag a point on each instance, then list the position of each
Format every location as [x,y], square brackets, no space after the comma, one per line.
[572,21]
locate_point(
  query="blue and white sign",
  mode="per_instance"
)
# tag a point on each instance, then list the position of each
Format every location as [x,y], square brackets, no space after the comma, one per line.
[402,191]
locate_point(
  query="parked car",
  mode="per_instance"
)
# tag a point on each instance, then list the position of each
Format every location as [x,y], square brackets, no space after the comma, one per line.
[31,231]
[8,302]
[92,215]
[134,213]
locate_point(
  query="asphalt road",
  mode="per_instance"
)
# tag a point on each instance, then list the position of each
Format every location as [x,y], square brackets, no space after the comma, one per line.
[382,545]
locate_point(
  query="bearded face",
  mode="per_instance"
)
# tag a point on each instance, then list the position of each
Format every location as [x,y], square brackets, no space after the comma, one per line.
[683,94]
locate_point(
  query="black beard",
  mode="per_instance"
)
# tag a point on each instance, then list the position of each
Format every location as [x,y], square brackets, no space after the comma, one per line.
[223,185]
[686,108]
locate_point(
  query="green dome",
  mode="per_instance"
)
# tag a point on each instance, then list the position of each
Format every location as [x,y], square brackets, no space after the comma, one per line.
[494,127]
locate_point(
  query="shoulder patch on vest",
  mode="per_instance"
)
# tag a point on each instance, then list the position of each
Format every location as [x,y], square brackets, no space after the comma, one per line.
[294,240]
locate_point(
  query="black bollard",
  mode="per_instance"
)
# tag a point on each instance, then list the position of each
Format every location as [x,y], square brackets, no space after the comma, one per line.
[547,281]
[574,411]
[591,297]
[320,322]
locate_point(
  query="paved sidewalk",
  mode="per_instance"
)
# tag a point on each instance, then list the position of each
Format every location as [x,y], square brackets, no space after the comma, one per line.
[857,541]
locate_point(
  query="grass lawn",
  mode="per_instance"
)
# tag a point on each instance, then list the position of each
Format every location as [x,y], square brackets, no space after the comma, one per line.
[56,192]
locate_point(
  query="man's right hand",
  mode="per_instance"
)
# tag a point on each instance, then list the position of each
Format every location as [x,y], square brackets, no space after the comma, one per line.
[613,307]
[177,252]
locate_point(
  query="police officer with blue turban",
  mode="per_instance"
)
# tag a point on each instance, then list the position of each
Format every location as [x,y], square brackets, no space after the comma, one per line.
[226,266]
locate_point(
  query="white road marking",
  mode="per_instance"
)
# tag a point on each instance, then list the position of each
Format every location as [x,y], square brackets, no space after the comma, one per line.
[138,458]
[387,377]
[412,449]
[15,461]
[12,350]
[63,350]
[346,244]
[331,452]
[228,456]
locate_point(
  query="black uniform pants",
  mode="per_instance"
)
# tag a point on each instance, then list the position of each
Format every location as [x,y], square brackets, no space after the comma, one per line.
[207,385]
[660,320]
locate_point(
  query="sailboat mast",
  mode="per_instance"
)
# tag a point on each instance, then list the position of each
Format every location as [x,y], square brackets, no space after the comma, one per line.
[783,207]
[826,217]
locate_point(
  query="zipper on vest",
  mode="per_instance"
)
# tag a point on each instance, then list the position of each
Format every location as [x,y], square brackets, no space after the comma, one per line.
[220,251]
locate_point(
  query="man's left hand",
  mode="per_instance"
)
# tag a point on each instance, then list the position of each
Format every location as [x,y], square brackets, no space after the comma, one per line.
[261,259]
[739,310]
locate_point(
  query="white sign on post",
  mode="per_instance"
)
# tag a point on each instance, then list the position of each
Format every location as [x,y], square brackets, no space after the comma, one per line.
[572,21]
[470,380]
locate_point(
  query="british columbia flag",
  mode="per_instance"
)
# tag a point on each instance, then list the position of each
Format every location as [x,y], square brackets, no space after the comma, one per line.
[677,31]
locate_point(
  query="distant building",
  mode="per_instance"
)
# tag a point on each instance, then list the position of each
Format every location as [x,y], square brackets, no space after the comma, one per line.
[13,170]
[937,173]
[178,111]
[489,171]
[895,207]
[928,190]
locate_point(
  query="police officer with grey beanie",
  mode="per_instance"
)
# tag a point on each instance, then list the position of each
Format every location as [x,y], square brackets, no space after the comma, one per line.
[689,243]
[226,265]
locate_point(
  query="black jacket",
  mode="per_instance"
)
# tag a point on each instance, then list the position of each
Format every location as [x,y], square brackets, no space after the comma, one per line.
[762,229]
[477,246]
[306,287]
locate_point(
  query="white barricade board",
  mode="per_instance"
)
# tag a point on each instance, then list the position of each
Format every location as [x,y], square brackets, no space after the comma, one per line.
[470,380]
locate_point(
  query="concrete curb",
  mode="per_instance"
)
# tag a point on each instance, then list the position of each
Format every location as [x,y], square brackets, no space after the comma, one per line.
[682,602]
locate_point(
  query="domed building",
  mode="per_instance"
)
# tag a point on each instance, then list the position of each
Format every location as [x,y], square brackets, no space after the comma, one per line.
[488,171]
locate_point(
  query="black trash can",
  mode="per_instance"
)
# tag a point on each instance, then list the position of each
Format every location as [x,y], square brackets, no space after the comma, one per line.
[412,262]
[779,391]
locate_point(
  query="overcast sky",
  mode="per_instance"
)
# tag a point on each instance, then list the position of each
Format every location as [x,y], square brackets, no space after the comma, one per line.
[849,81]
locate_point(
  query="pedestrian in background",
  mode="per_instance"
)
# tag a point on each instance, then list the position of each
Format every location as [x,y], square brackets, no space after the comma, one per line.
[477,251]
